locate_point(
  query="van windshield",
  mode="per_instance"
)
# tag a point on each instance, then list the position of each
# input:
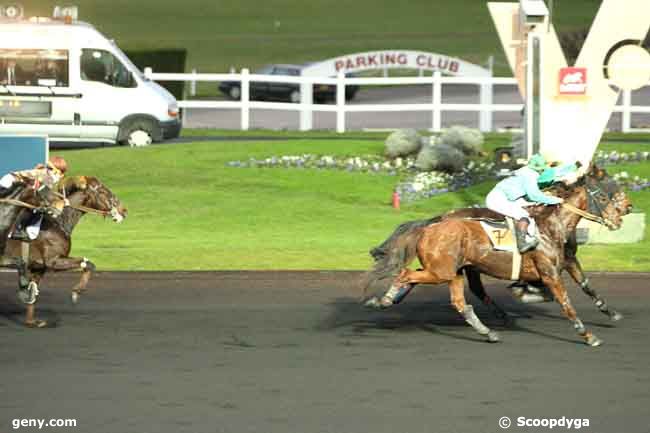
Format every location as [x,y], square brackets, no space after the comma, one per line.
[34,67]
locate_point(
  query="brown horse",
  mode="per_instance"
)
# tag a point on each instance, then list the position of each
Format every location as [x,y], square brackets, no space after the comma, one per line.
[448,246]
[50,251]
[21,196]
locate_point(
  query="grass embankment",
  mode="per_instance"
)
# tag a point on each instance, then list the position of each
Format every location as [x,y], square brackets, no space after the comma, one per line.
[188,210]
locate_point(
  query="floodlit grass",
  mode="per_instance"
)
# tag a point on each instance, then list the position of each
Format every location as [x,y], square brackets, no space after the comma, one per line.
[188,210]
[250,33]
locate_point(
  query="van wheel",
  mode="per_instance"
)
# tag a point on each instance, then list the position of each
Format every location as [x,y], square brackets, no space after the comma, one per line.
[139,133]
[234,93]
[294,96]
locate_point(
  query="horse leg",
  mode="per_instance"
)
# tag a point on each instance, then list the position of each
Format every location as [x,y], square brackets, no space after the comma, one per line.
[456,290]
[30,304]
[61,264]
[561,296]
[19,264]
[574,269]
[476,287]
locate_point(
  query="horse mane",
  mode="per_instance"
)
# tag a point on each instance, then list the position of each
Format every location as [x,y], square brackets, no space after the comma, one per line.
[72,184]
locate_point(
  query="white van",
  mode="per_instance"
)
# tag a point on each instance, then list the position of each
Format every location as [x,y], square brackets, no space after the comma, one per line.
[63,78]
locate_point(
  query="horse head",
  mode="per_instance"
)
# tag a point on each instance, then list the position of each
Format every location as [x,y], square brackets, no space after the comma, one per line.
[606,198]
[95,195]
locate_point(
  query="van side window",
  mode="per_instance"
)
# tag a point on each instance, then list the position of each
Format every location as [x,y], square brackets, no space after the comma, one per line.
[34,67]
[104,67]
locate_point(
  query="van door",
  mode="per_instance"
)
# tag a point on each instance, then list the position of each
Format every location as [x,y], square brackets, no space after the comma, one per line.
[109,94]
[35,93]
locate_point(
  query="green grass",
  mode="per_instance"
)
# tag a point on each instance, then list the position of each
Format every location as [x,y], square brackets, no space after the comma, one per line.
[188,210]
[243,33]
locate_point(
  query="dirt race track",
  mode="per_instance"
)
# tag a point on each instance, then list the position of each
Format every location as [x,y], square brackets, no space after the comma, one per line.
[272,352]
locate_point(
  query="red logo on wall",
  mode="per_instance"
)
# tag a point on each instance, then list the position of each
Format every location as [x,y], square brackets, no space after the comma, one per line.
[573,81]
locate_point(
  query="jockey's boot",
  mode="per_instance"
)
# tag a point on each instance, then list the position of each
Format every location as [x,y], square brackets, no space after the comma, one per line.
[22,222]
[524,242]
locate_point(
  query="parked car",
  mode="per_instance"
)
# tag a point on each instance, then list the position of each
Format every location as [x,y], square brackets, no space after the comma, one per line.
[284,91]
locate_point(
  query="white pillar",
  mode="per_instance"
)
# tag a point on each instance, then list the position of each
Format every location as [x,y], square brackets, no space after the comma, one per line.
[626,120]
[306,99]
[340,102]
[193,84]
[245,100]
[436,100]
[487,94]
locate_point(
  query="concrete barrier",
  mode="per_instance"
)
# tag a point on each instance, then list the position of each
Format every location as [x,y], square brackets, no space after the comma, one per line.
[632,230]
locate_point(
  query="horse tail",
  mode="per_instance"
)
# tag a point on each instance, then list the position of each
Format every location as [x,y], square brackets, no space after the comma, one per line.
[396,252]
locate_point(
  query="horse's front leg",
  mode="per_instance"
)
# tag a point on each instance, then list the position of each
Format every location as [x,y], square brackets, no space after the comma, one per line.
[31,293]
[62,264]
[574,269]
[554,283]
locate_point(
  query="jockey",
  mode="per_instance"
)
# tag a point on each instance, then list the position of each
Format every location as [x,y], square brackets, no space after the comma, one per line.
[522,184]
[45,178]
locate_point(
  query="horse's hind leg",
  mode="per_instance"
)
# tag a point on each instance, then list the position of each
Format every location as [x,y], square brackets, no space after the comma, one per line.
[456,290]
[477,288]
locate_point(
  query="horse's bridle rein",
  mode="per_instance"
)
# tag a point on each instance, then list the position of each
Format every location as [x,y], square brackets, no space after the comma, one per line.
[594,199]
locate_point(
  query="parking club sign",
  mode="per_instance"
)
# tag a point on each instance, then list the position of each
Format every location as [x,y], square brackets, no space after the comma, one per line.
[572,81]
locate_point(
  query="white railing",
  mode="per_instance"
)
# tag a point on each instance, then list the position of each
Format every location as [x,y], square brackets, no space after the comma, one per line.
[306,107]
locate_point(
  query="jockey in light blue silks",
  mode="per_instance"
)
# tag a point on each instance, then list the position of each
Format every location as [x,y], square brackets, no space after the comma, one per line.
[522,184]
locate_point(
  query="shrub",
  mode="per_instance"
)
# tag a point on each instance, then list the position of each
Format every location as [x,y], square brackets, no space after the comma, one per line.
[440,157]
[467,140]
[403,142]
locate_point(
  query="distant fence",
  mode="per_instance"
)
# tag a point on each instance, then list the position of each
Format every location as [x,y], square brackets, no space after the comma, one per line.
[306,107]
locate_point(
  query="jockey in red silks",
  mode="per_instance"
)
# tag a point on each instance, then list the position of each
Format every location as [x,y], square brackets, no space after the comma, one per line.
[504,199]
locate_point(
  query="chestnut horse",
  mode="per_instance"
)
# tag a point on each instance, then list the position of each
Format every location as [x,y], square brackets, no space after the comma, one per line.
[50,251]
[447,246]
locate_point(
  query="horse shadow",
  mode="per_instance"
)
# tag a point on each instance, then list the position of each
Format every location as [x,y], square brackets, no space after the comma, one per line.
[430,310]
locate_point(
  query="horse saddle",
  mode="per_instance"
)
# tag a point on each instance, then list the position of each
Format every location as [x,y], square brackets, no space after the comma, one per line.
[501,234]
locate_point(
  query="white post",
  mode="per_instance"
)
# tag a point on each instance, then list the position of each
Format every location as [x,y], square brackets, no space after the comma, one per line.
[245,100]
[193,83]
[485,120]
[436,100]
[340,102]
[626,120]
[306,99]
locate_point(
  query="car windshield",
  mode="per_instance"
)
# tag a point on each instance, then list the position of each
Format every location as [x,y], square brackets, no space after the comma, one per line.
[265,69]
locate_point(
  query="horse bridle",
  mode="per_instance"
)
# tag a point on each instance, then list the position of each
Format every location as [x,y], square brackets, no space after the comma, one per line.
[597,198]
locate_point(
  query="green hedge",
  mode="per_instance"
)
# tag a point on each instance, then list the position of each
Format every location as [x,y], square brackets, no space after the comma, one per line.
[162,60]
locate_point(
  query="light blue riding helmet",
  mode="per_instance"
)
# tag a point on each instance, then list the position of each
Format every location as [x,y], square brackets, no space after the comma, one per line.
[537,162]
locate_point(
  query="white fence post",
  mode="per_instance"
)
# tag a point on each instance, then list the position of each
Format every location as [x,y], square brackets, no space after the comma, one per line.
[487,95]
[193,83]
[306,99]
[245,100]
[340,102]
[626,119]
[436,100]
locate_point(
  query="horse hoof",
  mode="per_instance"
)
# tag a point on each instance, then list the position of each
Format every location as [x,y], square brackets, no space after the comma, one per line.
[75,297]
[37,324]
[493,337]
[372,303]
[594,341]
[615,316]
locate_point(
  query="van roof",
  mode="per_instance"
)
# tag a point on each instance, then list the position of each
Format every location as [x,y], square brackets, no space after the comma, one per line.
[46,32]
